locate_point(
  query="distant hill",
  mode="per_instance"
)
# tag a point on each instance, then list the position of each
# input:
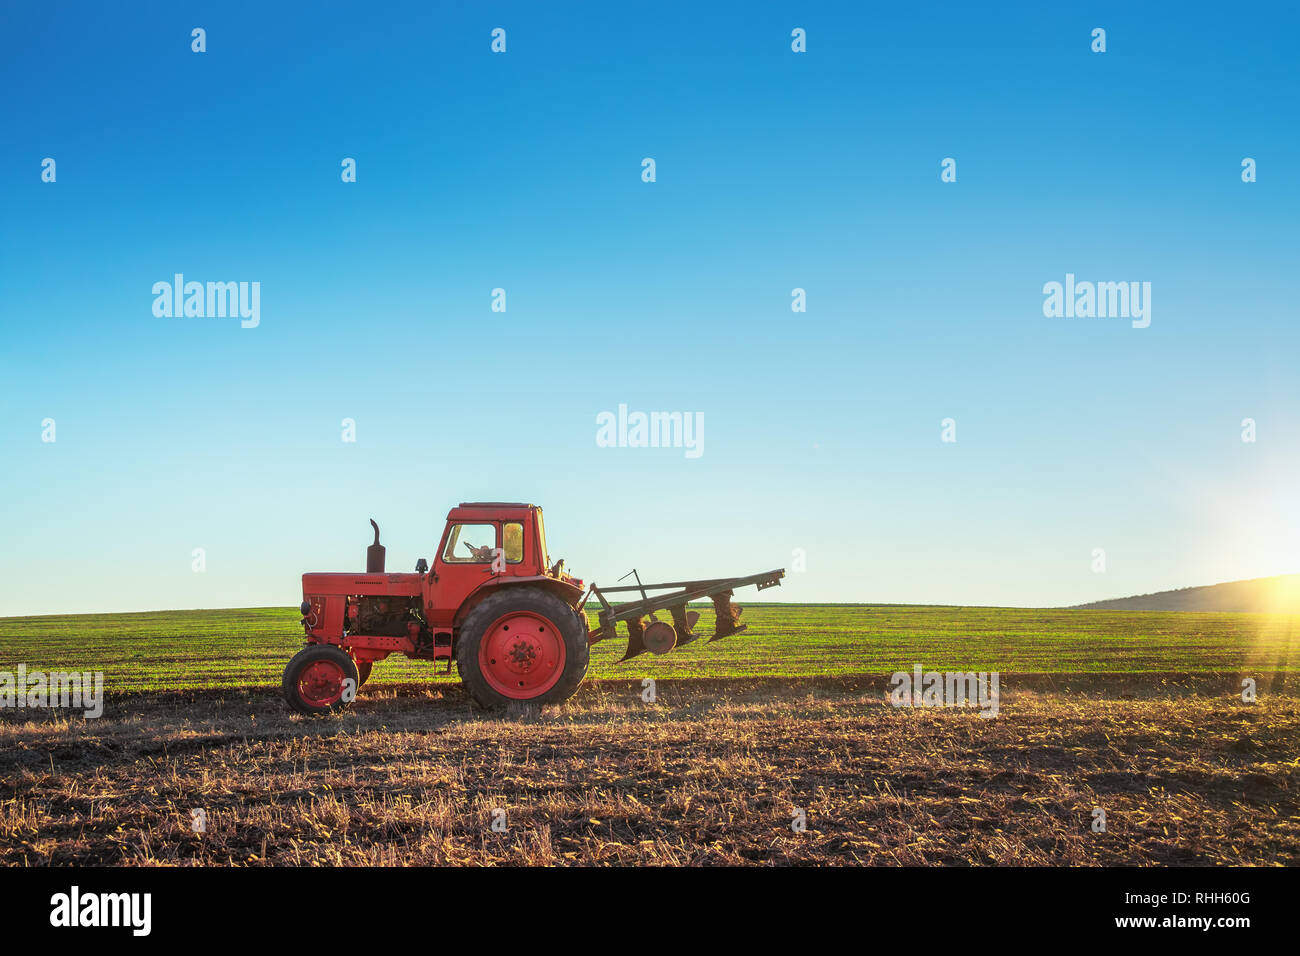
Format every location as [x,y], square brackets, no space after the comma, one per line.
[1279,594]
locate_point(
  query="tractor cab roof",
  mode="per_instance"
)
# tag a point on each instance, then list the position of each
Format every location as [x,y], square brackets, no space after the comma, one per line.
[483,510]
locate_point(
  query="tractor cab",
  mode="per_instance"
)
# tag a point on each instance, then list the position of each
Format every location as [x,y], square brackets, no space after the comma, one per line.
[487,544]
[506,537]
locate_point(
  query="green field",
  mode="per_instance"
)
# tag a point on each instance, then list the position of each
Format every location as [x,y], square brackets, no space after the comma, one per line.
[1142,715]
[178,650]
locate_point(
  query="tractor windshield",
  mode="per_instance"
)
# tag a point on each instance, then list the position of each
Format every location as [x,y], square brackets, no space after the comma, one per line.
[470,544]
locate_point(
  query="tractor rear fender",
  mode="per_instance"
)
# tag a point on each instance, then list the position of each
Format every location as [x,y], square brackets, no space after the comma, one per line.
[568,593]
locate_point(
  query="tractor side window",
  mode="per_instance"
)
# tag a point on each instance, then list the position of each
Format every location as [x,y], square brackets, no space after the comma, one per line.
[514,542]
[470,544]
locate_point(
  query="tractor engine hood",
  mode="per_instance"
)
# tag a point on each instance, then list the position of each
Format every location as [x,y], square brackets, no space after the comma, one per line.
[407,585]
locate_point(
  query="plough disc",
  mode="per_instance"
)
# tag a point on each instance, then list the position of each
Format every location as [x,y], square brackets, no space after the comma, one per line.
[659,637]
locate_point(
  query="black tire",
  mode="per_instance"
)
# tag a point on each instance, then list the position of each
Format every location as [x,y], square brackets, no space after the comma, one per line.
[521,598]
[293,673]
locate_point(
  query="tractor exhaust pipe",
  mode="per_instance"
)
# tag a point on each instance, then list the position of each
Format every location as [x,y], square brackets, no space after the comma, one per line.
[375,553]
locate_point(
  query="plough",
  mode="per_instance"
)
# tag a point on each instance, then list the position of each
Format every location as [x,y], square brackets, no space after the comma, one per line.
[660,637]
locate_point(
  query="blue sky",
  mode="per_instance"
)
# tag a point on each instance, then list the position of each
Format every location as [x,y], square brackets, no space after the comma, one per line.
[774,170]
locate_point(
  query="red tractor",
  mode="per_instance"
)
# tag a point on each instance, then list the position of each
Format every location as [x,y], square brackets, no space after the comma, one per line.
[514,623]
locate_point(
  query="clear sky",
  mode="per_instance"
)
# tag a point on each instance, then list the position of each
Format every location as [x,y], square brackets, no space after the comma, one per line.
[774,170]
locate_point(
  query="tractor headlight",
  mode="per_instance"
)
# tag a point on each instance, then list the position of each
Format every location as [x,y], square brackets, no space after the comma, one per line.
[305,607]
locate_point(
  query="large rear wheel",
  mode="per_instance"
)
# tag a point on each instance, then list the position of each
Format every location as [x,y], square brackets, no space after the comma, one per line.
[316,680]
[522,645]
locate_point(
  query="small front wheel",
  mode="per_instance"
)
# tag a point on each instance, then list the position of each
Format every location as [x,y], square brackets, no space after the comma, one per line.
[321,679]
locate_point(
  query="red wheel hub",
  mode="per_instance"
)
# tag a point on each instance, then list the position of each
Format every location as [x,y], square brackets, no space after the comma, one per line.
[321,683]
[522,655]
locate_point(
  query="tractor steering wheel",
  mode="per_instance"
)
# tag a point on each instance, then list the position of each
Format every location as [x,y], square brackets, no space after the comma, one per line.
[480,554]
